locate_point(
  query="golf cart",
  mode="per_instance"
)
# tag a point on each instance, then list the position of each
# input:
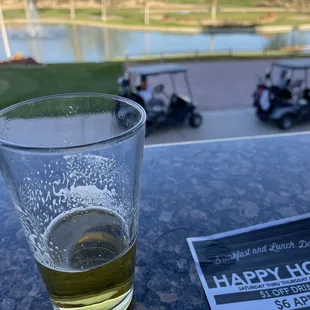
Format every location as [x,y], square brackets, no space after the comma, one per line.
[162,109]
[287,100]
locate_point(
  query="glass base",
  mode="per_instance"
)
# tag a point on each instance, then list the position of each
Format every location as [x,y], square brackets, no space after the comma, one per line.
[122,306]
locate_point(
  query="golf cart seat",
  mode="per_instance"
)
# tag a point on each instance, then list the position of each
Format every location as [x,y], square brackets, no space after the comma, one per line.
[278,97]
[297,84]
[282,93]
[177,102]
[306,94]
[285,94]
[302,102]
[137,98]
[156,103]
[155,109]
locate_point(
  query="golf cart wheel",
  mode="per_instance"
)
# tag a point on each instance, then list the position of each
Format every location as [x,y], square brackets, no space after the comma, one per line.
[287,122]
[195,120]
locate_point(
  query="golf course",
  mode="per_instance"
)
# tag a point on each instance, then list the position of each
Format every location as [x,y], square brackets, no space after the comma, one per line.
[18,84]
[184,13]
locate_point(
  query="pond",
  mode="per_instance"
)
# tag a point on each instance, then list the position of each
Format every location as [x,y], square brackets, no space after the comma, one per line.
[64,43]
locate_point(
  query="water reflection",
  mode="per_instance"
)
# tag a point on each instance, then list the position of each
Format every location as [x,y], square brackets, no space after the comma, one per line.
[284,40]
[147,43]
[106,40]
[76,44]
[81,43]
[35,48]
[211,49]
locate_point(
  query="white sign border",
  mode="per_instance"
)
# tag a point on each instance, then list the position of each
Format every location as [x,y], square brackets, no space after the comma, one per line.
[232,233]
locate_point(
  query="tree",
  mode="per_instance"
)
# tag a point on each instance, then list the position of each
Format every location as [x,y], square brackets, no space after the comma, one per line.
[104,10]
[301,5]
[213,10]
[111,6]
[146,12]
[72,9]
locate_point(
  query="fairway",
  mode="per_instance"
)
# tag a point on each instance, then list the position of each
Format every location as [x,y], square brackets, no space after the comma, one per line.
[177,15]
[18,84]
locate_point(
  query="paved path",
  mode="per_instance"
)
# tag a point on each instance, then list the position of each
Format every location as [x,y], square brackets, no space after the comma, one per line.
[58,132]
[221,124]
[223,90]
[221,84]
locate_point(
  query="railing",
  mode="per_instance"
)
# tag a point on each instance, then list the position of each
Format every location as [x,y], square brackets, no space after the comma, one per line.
[197,54]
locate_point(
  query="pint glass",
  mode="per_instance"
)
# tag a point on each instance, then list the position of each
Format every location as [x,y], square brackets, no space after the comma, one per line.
[72,165]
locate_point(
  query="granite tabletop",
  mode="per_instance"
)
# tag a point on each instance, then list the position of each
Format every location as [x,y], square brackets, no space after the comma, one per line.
[188,190]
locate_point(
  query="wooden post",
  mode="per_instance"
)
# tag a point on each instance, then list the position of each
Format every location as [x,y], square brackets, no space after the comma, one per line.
[72,9]
[214,11]
[104,10]
[146,12]
[4,35]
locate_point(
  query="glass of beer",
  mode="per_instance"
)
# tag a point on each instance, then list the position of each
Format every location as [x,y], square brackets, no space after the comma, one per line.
[72,164]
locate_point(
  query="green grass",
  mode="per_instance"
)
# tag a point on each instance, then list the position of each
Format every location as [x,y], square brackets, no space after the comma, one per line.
[136,17]
[56,79]
[293,19]
[226,3]
[237,3]
[193,2]
[62,13]
[14,14]
[218,56]
[223,3]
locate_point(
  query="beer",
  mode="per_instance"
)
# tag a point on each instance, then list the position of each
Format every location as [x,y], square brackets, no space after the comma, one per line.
[91,261]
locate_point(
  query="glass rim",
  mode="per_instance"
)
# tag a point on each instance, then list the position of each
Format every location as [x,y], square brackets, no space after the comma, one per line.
[117,138]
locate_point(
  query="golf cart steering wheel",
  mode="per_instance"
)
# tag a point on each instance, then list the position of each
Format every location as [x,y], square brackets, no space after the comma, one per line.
[159,89]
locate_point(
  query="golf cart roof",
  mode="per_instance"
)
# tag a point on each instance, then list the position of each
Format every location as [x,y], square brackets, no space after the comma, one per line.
[156,69]
[293,64]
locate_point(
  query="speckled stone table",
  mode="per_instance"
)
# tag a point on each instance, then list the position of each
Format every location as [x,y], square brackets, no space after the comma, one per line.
[188,190]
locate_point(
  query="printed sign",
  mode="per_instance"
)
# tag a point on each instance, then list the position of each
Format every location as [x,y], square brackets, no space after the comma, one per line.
[264,267]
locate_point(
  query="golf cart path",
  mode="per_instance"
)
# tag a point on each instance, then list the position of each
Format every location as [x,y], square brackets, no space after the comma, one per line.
[221,85]
[231,123]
